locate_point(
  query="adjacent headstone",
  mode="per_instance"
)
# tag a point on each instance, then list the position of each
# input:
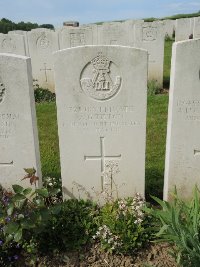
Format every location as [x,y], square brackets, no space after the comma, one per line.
[196,32]
[101,110]
[24,33]
[169,27]
[191,28]
[77,36]
[116,33]
[12,43]
[18,130]
[150,36]
[42,44]
[183,29]
[182,166]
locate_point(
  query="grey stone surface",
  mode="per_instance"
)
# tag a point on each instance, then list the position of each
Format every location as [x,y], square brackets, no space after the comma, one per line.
[116,33]
[42,44]
[150,36]
[13,44]
[182,166]
[196,30]
[24,33]
[169,27]
[101,111]
[183,29]
[77,36]
[18,128]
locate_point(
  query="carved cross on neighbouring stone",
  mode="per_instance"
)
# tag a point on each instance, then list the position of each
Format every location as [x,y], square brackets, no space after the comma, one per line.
[45,71]
[102,157]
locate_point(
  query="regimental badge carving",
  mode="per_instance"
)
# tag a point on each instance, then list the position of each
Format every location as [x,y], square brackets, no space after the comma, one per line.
[8,45]
[77,39]
[149,34]
[100,78]
[2,91]
[43,42]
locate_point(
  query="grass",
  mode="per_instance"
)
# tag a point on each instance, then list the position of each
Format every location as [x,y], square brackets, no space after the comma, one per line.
[155,144]
[48,138]
[155,150]
[167,63]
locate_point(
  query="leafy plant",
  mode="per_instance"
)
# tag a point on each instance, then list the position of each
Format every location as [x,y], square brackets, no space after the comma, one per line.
[153,88]
[23,216]
[123,225]
[43,95]
[180,225]
[71,228]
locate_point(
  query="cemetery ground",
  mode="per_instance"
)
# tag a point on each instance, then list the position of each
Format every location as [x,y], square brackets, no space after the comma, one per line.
[43,231]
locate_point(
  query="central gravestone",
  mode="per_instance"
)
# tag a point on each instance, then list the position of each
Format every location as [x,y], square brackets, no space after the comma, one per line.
[101,103]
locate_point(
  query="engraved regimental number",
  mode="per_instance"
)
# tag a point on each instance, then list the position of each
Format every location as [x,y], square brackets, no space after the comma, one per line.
[2,90]
[103,81]
[102,157]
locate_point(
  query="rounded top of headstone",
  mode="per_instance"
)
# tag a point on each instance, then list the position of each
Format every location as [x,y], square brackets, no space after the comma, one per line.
[71,23]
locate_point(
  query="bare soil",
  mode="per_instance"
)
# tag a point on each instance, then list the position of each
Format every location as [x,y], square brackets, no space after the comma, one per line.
[156,255]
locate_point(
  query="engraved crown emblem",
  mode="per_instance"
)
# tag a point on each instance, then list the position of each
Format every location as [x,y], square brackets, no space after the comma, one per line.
[101,62]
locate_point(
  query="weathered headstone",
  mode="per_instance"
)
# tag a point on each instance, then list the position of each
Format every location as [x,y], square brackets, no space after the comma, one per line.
[24,33]
[183,29]
[77,36]
[101,109]
[12,43]
[182,166]
[169,27]
[42,44]
[18,130]
[150,36]
[116,33]
[191,28]
[196,30]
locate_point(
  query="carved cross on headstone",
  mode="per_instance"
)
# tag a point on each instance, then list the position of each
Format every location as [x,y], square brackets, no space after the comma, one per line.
[102,157]
[196,152]
[45,71]
[6,163]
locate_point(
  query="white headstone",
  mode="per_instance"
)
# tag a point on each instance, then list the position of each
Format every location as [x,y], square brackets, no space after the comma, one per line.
[77,36]
[12,43]
[191,27]
[18,130]
[182,166]
[24,33]
[42,44]
[101,109]
[196,31]
[183,29]
[116,33]
[150,36]
[169,27]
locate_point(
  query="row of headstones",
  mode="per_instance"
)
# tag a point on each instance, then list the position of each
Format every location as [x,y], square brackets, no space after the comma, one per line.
[187,28]
[40,44]
[101,111]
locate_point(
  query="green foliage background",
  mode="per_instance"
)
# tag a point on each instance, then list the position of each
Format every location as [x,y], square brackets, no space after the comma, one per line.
[7,25]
